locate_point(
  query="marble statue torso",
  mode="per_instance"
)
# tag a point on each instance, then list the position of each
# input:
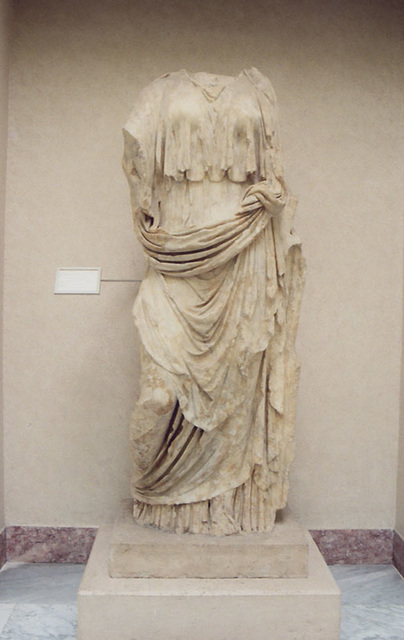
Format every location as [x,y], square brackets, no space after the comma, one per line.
[217,310]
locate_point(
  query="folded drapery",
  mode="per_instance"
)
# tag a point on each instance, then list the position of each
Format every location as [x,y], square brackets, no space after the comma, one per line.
[198,251]
[216,293]
[220,335]
[212,431]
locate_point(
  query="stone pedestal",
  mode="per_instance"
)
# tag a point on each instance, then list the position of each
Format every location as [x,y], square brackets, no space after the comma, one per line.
[140,552]
[206,608]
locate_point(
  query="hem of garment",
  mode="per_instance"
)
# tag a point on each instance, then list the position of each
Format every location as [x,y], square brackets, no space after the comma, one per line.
[246,509]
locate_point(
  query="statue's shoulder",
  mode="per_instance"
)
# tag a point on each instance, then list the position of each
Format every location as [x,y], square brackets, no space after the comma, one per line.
[147,103]
[167,79]
[261,83]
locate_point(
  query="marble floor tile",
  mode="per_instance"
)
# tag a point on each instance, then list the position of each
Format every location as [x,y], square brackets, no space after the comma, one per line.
[41,622]
[5,613]
[364,622]
[40,583]
[38,601]
[370,585]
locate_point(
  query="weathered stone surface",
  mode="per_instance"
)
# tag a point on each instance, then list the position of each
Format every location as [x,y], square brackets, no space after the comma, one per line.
[217,312]
[143,552]
[206,609]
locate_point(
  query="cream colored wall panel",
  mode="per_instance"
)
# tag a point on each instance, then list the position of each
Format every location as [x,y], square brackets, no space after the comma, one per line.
[349,336]
[400,474]
[400,486]
[5,26]
[71,385]
[71,362]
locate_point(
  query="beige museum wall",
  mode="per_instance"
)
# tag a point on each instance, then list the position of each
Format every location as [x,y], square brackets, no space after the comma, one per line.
[4,59]
[71,365]
[400,474]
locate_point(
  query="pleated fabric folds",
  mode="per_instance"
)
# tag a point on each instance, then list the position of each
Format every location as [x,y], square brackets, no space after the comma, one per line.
[217,310]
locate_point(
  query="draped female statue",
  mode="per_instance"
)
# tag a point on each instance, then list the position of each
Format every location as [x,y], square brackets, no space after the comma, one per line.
[217,311]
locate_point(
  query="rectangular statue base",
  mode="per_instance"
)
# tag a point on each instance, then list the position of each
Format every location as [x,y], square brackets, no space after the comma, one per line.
[143,552]
[203,608]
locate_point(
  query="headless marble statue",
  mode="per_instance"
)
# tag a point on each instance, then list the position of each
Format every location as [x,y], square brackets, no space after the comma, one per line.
[217,311]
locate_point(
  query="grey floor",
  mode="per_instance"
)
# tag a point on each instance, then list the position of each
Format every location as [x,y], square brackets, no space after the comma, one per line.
[38,602]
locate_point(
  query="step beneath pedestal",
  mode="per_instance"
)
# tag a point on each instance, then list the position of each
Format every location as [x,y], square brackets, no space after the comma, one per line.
[206,608]
[143,552]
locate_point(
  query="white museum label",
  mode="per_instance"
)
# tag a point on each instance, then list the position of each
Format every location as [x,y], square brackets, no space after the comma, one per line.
[78,281]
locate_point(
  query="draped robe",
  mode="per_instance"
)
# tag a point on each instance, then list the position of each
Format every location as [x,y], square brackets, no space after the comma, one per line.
[217,310]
